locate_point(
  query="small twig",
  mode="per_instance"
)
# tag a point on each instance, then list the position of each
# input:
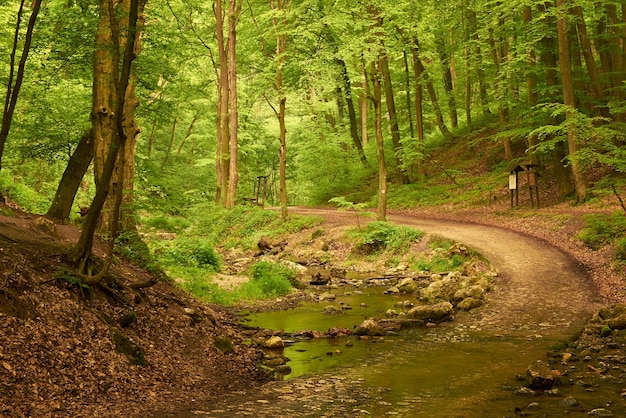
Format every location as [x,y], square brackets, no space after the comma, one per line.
[621,202]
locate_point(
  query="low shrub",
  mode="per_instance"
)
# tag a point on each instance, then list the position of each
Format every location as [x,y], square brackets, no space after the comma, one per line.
[602,229]
[271,279]
[383,236]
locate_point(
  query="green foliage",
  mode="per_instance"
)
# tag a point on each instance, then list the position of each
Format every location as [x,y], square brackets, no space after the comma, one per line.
[188,252]
[603,229]
[620,250]
[166,223]
[440,259]
[132,247]
[243,226]
[70,278]
[271,279]
[343,204]
[23,195]
[268,280]
[383,236]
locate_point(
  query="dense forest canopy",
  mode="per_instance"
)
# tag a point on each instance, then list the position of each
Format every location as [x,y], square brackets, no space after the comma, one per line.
[309,100]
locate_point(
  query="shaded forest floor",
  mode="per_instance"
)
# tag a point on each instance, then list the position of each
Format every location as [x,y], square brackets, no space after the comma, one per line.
[106,350]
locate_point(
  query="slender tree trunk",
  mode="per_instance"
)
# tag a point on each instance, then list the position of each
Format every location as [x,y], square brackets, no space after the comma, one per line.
[419,112]
[363,107]
[281,43]
[187,134]
[580,182]
[233,114]
[444,58]
[531,86]
[380,147]
[393,119]
[170,146]
[72,178]
[549,59]
[155,123]
[354,133]
[430,88]
[13,90]
[222,160]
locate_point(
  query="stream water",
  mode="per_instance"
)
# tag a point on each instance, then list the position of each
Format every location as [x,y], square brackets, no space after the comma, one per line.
[456,369]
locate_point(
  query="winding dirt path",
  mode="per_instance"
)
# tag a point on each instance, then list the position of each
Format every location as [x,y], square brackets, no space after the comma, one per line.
[539,287]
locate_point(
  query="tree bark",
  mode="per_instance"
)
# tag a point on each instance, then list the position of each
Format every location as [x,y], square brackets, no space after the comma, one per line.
[549,48]
[393,119]
[72,178]
[381,210]
[430,88]
[222,160]
[281,42]
[83,250]
[13,90]
[233,113]
[567,83]
[354,133]
[444,58]
[531,86]
[419,111]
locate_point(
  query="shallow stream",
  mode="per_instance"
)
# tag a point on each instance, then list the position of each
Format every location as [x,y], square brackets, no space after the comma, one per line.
[455,369]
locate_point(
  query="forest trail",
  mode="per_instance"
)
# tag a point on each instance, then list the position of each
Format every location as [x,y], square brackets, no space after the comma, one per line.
[540,291]
[539,287]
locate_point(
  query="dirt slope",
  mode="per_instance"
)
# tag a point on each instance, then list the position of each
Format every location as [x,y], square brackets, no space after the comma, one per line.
[106,350]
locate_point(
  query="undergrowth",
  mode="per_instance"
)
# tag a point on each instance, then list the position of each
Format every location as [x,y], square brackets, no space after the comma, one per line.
[378,236]
[603,229]
[267,280]
[439,258]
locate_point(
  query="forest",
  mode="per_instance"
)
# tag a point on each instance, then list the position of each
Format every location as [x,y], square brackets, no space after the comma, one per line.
[154,135]
[242,95]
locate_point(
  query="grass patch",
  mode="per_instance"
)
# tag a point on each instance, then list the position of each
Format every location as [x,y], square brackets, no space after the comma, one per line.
[440,259]
[267,280]
[379,237]
[600,230]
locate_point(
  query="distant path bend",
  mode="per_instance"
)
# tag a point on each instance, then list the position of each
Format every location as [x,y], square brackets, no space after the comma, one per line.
[540,290]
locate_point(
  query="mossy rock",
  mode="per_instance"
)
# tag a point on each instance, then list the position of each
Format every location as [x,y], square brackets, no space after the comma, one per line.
[132,351]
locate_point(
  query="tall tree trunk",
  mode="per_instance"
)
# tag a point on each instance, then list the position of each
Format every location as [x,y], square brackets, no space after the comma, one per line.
[121,80]
[477,62]
[354,133]
[393,119]
[72,178]
[363,99]
[281,43]
[444,58]
[381,210]
[419,112]
[548,57]
[531,86]
[567,82]
[430,88]
[13,90]
[222,159]
[590,62]
[233,113]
